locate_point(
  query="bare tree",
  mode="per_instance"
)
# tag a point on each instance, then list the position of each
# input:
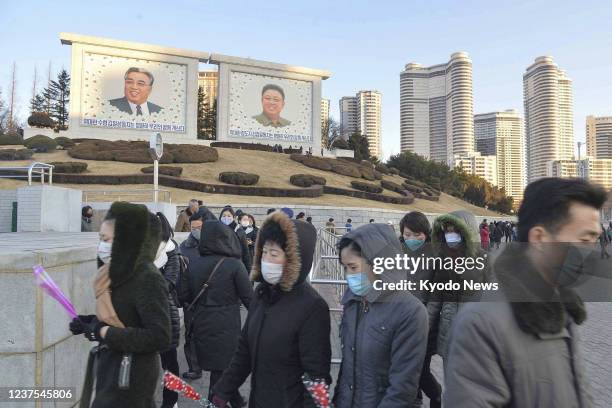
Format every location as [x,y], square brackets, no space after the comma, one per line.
[34,82]
[330,131]
[12,98]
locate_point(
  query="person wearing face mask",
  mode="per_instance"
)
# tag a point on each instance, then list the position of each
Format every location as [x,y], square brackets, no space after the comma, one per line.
[189,249]
[214,327]
[132,323]
[287,332]
[247,223]
[227,217]
[523,349]
[168,263]
[383,333]
[416,242]
[86,216]
[454,237]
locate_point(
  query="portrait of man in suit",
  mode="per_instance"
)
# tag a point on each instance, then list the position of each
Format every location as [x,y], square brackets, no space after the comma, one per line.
[272,104]
[138,84]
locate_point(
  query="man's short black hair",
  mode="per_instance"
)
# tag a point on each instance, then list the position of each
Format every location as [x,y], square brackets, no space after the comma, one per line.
[547,201]
[272,232]
[270,211]
[203,214]
[85,210]
[272,87]
[347,243]
[416,222]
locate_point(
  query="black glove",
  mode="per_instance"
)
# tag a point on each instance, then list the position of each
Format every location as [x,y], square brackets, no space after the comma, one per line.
[92,330]
[76,325]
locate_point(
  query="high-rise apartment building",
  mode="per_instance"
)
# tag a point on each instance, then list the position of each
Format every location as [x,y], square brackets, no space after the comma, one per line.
[436,109]
[549,133]
[599,136]
[209,81]
[362,113]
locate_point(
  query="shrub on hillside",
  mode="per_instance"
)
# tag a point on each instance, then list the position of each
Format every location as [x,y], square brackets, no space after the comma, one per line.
[298,157]
[347,170]
[11,139]
[307,180]
[340,144]
[378,175]
[69,167]
[40,120]
[64,142]
[394,171]
[370,188]
[317,163]
[238,178]
[173,171]
[40,144]
[192,153]
[367,196]
[381,168]
[390,185]
[412,188]
[16,154]
[367,173]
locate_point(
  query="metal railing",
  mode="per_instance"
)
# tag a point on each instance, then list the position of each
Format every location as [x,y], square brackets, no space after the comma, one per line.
[34,169]
[135,195]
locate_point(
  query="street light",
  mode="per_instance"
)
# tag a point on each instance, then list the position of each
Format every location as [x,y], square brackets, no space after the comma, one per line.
[156,150]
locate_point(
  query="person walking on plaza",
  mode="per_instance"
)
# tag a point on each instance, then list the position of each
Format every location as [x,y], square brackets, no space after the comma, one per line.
[168,262]
[182,222]
[212,291]
[132,323]
[190,250]
[287,332]
[416,242]
[454,236]
[522,348]
[349,225]
[86,216]
[330,226]
[383,332]
[227,217]
[604,241]
[247,223]
[484,236]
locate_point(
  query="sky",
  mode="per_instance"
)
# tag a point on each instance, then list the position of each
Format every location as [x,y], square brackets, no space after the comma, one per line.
[364,44]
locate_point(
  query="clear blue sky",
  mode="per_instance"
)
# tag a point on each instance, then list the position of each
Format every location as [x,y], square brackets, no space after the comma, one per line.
[364,44]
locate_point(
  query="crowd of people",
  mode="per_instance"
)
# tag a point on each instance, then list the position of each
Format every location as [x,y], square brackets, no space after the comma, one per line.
[495,354]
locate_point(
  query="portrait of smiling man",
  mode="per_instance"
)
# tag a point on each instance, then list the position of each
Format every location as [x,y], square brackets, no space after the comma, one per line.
[138,84]
[272,104]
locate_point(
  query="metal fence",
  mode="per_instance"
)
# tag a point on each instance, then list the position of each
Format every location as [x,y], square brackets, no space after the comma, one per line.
[34,169]
[135,195]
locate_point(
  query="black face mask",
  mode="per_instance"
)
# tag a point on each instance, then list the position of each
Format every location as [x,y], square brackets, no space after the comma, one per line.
[572,269]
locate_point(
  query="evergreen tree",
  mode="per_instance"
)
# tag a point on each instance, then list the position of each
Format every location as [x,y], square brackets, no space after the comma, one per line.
[359,144]
[58,95]
[38,104]
[201,118]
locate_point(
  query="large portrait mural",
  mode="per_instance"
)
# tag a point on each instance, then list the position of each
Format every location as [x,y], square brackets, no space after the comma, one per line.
[270,108]
[129,93]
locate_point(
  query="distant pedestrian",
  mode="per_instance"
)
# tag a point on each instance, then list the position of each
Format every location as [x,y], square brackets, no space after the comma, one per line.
[371,220]
[270,211]
[300,216]
[330,226]
[309,220]
[182,222]
[348,226]
[603,242]
[86,216]
[227,217]
[287,211]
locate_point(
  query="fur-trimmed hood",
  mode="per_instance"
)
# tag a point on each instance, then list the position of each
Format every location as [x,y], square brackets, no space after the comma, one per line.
[546,314]
[135,243]
[299,248]
[464,223]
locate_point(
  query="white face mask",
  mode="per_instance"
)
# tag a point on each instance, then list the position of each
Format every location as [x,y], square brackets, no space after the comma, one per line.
[161,258]
[245,224]
[227,220]
[104,251]
[271,272]
[452,238]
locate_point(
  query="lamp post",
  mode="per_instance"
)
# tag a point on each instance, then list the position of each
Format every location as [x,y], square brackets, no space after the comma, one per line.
[156,150]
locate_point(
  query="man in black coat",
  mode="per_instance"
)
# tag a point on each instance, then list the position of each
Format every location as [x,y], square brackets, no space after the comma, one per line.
[287,332]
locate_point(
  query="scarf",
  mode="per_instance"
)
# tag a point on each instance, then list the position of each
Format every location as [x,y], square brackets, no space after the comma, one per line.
[105,312]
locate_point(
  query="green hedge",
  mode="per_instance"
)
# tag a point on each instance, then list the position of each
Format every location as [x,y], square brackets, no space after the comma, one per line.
[40,120]
[317,163]
[370,188]
[243,146]
[69,167]
[390,185]
[427,197]
[307,180]
[40,144]
[394,171]
[238,178]
[65,142]
[298,157]
[367,196]
[173,171]
[16,154]
[137,152]
[11,139]
[346,170]
[381,168]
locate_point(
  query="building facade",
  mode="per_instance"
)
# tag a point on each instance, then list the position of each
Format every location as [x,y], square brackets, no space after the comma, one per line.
[324,112]
[436,109]
[596,171]
[209,81]
[478,165]
[362,113]
[500,134]
[547,98]
[599,136]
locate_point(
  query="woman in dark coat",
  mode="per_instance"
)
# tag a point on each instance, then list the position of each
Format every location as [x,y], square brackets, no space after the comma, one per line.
[287,332]
[227,217]
[139,296]
[167,261]
[216,314]
[247,223]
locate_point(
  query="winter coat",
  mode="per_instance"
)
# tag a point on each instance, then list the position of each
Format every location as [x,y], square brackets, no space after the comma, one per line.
[182,222]
[443,305]
[171,272]
[383,335]
[252,236]
[484,237]
[519,354]
[140,298]
[244,247]
[86,225]
[287,332]
[216,324]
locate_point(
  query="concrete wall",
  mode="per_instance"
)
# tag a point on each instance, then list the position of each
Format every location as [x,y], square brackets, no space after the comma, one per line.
[48,208]
[7,198]
[100,209]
